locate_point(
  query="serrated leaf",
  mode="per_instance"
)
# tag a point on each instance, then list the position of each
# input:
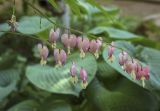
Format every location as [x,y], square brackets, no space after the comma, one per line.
[28,105]
[33,24]
[113,32]
[58,80]
[147,56]
[8,80]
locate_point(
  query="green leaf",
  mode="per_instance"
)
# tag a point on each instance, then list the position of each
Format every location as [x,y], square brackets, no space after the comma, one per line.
[32,105]
[53,3]
[58,80]
[92,9]
[97,5]
[7,59]
[28,105]
[33,25]
[145,55]
[8,80]
[126,96]
[105,70]
[4,27]
[113,32]
[56,105]
[74,6]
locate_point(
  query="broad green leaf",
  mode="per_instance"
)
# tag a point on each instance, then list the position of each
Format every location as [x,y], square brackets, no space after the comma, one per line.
[92,9]
[145,55]
[98,6]
[28,105]
[126,96]
[4,27]
[33,24]
[56,105]
[32,105]
[58,80]
[113,32]
[8,80]
[105,70]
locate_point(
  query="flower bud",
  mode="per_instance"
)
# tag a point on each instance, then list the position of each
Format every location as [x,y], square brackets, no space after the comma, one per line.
[111,51]
[73,72]
[53,36]
[12,23]
[43,50]
[95,47]
[69,41]
[83,75]
[142,74]
[83,45]
[60,56]
[122,58]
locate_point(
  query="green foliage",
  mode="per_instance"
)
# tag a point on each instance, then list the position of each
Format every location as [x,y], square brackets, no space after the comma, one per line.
[53,3]
[28,105]
[145,55]
[58,79]
[32,105]
[58,105]
[50,88]
[3,28]
[33,25]
[113,32]
[8,80]
[126,96]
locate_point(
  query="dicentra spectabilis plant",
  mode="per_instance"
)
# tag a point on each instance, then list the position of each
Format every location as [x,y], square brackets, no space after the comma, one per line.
[43,51]
[111,49]
[73,72]
[95,46]
[142,73]
[83,45]
[71,41]
[53,37]
[60,56]
[83,75]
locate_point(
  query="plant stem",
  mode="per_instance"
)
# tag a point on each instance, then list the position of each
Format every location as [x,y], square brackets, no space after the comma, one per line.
[26,35]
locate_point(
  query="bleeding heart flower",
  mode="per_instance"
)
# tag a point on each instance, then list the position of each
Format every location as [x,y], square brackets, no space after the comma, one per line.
[123,58]
[60,56]
[111,51]
[73,72]
[53,36]
[83,75]
[131,67]
[69,41]
[83,45]
[142,74]
[43,50]
[95,46]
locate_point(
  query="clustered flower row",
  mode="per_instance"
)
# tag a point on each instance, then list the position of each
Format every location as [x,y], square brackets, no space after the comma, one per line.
[70,41]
